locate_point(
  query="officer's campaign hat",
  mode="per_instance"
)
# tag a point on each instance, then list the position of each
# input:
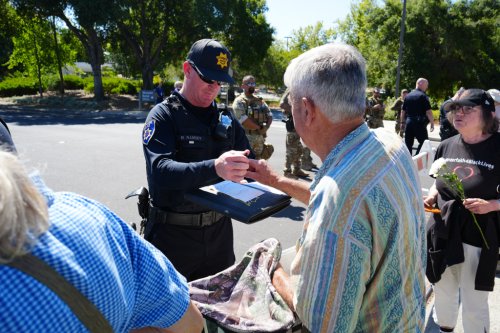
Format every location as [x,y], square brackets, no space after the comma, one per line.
[6,142]
[212,59]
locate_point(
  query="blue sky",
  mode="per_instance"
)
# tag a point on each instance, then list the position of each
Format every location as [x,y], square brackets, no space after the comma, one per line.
[288,15]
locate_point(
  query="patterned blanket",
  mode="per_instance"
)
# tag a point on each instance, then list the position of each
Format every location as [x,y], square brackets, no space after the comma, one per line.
[242,298]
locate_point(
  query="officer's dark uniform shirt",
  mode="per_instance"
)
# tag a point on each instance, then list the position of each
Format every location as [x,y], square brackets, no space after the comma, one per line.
[416,104]
[180,147]
[446,129]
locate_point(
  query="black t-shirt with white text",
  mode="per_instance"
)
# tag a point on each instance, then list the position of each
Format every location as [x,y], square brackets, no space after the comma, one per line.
[478,168]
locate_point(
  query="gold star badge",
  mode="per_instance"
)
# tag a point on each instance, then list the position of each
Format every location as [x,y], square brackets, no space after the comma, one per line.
[222,60]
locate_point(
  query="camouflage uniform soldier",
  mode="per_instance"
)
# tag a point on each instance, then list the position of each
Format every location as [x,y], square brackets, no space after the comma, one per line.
[255,117]
[306,159]
[294,149]
[396,107]
[375,110]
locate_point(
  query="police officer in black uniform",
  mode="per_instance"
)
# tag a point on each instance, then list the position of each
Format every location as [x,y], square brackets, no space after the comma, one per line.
[416,113]
[446,129]
[188,143]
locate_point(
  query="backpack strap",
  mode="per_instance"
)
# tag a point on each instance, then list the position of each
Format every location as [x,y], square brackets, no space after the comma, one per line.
[88,314]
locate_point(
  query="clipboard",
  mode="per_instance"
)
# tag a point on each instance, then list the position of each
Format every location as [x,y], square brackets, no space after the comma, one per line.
[247,203]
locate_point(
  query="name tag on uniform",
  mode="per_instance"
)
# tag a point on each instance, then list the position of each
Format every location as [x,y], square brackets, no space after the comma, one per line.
[192,140]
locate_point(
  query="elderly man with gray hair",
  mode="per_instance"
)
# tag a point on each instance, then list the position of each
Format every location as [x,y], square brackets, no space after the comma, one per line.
[360,260]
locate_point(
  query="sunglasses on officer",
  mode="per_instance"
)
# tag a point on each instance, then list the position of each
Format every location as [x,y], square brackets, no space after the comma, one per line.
[202,77]
[250,84]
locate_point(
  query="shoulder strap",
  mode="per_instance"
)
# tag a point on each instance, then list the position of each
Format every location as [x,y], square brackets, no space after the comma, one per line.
[83,309]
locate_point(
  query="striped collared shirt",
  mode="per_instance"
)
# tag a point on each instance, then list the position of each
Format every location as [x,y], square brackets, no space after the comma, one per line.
[361,258]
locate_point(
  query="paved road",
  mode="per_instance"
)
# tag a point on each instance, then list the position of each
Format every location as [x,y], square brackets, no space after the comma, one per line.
[99,154]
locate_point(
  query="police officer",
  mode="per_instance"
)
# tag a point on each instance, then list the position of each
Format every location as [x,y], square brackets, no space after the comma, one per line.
[416,113]
[188,143]
[446,129]
[375,110]
[254,114]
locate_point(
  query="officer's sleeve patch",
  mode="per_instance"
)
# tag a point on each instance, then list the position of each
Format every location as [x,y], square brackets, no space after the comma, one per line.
[148,131]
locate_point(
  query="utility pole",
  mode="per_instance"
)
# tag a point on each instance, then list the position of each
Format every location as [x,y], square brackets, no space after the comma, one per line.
[401,39]
[287,38]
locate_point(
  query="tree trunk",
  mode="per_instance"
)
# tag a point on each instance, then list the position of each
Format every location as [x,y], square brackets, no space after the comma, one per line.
[38,65]
[147,77]
[90,40]
[58,56]
[94,50]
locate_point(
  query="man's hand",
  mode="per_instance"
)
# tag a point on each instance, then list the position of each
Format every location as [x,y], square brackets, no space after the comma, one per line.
[432,127]
[260,171]
[232,165]
[281,281]
[263,130]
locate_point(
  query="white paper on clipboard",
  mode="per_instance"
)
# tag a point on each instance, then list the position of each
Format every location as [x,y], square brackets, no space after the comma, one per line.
[243,192]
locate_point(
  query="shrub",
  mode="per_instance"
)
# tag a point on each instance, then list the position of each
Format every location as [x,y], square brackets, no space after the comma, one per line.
[71,82]
[115,85]
[125,87]
[19,86]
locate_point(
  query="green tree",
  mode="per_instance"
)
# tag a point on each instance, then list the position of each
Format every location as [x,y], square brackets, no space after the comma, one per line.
[35,49]
[273,65]
[374,30]
[87,19]
[160,32]
[437,34]
[8,29]
[311,36]
[150,34]
[241,25]
[34,52]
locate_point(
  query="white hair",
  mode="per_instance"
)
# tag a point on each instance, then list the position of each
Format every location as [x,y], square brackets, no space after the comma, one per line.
[333,76]
[23,210]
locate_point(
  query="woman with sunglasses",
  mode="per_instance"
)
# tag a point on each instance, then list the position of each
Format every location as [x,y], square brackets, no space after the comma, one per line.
[461,263]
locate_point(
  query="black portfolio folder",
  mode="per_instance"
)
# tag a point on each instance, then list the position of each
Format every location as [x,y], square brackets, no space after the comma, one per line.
[267,201]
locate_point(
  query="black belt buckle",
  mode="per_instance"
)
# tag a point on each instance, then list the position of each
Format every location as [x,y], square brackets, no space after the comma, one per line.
[207,219]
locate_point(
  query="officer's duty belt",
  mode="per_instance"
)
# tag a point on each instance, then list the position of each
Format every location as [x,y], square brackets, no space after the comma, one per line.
[158,215]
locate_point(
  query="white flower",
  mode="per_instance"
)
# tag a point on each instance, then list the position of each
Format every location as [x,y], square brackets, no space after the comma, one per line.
[436,166]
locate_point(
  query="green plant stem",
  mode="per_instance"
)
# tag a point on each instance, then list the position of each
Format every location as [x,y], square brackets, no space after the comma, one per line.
[480,231]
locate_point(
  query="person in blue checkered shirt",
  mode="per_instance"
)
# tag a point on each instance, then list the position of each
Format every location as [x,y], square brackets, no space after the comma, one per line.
[131,283]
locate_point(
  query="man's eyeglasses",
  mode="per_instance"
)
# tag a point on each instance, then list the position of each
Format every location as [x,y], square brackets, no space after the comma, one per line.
[203,78]
[464,109]
[251,84]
